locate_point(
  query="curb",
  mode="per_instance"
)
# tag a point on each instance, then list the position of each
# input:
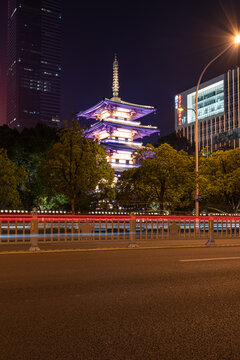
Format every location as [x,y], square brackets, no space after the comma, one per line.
[20,252]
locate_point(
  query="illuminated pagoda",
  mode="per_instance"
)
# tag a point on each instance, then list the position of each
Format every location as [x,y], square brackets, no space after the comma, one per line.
[117,126]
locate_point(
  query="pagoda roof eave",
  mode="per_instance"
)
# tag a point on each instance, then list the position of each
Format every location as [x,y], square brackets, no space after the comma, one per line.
[141,110]
[141,130]
[89,112]
[105,123]
[121,147]
[152,108]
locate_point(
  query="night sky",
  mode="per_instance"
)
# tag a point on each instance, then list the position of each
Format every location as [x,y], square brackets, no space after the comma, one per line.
[162,48]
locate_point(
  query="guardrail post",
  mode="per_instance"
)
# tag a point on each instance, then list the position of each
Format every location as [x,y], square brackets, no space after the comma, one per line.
[211,240]
[132,231]
[34,232]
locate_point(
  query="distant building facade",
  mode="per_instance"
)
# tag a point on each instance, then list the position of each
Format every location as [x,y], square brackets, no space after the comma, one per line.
[218,112]
[34,62]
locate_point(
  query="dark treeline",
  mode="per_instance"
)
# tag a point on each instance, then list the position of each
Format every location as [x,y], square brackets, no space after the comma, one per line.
[47,169]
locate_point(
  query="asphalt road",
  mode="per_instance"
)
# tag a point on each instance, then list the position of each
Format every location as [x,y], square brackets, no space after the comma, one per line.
[126,304]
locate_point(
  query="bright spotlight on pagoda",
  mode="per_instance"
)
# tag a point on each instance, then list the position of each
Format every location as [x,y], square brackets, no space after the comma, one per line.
[117,127]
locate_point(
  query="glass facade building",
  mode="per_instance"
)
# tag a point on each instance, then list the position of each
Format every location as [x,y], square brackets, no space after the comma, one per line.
[218,112]
[34,62]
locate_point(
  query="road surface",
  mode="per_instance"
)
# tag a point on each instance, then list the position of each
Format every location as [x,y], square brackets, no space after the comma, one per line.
[121,304]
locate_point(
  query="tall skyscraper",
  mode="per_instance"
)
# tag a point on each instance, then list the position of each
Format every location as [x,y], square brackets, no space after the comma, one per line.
[34,62]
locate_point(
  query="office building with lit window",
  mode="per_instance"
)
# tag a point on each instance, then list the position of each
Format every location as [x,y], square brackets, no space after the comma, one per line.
[218,112]
[34,62]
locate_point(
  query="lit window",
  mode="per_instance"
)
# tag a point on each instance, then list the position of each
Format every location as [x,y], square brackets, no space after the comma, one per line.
[210,101]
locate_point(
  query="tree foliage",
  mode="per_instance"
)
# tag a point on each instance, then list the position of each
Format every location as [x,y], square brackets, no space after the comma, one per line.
[177,142]
[132,189]
[166,177]
[9,139]
[219,179]
[27,149]
[11,178]
[20,145]
[77,167]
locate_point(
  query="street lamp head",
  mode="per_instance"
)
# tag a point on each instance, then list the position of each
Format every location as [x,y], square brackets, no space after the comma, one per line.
[181,109]
[237,39]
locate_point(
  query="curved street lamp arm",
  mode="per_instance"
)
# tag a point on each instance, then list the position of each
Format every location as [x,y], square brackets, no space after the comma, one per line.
[210,62]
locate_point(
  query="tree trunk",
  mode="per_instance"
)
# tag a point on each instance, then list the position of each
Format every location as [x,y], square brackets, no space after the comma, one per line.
[73,205]
[162,198]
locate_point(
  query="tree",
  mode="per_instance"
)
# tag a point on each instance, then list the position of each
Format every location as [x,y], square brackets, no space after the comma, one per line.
[166,177]
[76,167]
[27,148]
[9,139]
[219,179]
[20,145]
[28,151]
[46,203]
[132,190]
[11,178]
[177,142]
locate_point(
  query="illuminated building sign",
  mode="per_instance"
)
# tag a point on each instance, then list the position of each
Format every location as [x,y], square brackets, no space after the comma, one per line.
[178,104]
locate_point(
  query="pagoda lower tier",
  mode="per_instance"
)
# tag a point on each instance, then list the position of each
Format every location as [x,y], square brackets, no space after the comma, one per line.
[120,153]
[117,128]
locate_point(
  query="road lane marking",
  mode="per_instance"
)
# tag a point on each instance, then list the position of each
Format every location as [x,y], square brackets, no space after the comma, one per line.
[211,259]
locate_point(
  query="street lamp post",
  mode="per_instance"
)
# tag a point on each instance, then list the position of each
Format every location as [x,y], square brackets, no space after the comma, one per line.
[197,130]
[236,41]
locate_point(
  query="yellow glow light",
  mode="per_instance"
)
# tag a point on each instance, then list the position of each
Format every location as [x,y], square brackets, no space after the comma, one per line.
[102,135]
[237,39]
[121,114]
[104,114]
[181,109]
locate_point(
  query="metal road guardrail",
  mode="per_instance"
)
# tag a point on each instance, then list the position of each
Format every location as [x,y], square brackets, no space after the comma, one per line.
[36,229]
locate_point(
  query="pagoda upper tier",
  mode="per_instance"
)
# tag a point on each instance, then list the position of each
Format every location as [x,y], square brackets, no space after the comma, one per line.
[111,108]
[114,115]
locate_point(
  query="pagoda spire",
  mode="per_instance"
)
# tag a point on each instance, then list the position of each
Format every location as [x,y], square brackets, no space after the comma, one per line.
[115,85]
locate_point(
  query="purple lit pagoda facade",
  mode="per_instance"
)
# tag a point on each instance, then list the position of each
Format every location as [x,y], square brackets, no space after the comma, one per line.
[117,126]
